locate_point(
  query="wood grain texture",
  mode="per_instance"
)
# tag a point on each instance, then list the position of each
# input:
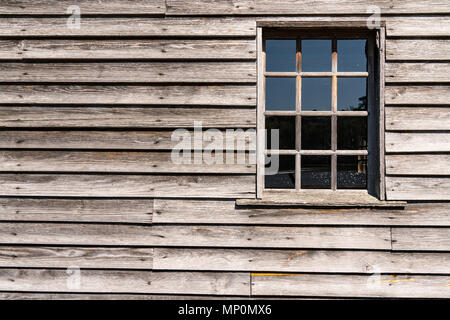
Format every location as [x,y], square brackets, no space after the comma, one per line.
[105,281]
[430,239]
[111,296]
[422,72]
[70,210]
[417,95]
[417,49]
[418,118]
[413,188]
[84,185]
[82,257]
[418,164]
[418,26]
[300,261]
[221,95]
[400,286]
[417,142]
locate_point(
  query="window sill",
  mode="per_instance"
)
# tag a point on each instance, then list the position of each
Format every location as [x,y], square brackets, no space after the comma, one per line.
[320,198]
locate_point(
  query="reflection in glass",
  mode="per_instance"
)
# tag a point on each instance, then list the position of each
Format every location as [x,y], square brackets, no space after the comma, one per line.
[352,133]
[352,172]
[352,94]
[285,178]
[316,172]
[316,94]
[286,126]
[352,55]
[316,133]
[316,55]
[280,55]
[280,94]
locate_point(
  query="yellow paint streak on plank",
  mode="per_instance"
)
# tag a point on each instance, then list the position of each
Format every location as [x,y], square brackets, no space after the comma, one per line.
[273,274]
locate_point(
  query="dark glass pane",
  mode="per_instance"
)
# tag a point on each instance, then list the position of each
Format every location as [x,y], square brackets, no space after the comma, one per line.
[316,133]
[352,172]
[280,55]
[285,176]
[316,172]
[352,94]
[316,55]
[316,94]
[352,133]
[352,55]
[280,94]
[286,126]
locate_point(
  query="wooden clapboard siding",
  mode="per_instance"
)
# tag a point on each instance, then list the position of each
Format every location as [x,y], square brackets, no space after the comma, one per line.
[125,117]
[417,118]
[417,72]
[124,281]
[122,185]
[417,49]
[430,239]
[74,210]
[82,257]
[111,72]
[140,162]
[332,261]
[221,95]
[116,296]
[417,188]
[418,164]
[417,142]
[417,95]
[401,286]
[418,26]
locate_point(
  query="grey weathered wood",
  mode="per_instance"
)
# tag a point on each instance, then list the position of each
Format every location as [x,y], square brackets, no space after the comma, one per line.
[430,239]
[413,188]
[122,185]
[438,26]
[418,118]
[82,257]
[417,95]
[125,117]
[300,261]
[131,140]
[70,210]
[105,281]
[138,162]
[417,49]
[110,72]
[418,164]
[399,286]
[417,142]
[221,95]
[417,72]
[225,212]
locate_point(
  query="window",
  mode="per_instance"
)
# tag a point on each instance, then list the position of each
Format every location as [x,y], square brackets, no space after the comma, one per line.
[318,102]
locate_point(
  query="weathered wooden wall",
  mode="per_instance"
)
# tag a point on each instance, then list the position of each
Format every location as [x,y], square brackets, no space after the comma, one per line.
[86,117]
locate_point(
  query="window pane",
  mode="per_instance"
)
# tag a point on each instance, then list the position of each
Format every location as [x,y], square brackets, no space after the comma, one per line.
[352,55]
[352,94]
[316,94]
[285,177]
[316,55]
[316,133]
[280,94]
[286,134]
[352,172]
[280,55]
[352,133]
[316,172]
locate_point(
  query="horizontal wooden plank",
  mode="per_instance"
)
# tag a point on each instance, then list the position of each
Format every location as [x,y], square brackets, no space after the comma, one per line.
[417,49]
[417,118]
[148,49]
[106,281]
[300,261]
[223,95]
[437,26]
[110,72]
[74,210]
[430,239]
[395,286]
[413,188]
[59,7]
[417,95]
[122,185]
[417,141]
[130,140]
[417,72]
[225,212]
[138,162]
[81,257]
[418,164]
